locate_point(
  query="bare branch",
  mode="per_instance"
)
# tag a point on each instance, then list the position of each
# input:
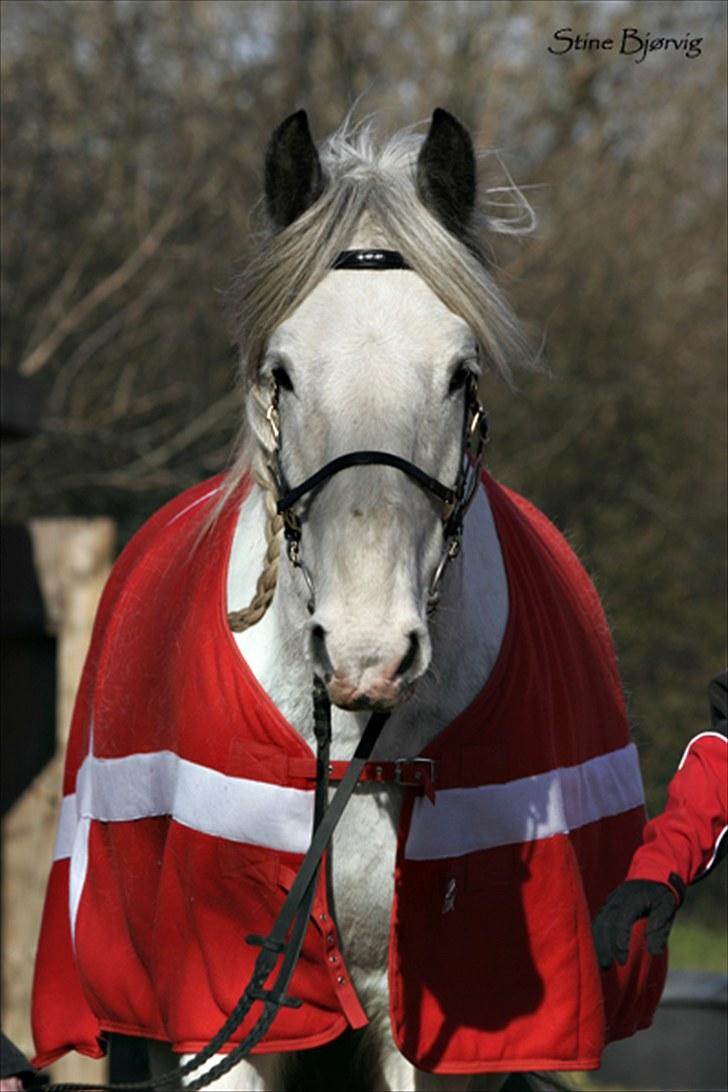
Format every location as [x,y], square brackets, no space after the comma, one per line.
[197,428]
[148,246]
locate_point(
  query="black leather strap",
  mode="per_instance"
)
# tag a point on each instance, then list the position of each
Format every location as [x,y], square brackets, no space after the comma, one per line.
[323,832]
[370,259]
[365,458]
[295,911]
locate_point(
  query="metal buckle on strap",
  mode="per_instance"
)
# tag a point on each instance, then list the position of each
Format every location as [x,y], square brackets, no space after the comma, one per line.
[416,773]
[271,416]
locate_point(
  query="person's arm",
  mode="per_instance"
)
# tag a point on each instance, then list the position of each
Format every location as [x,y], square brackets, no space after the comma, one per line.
[687,840]
[680,846]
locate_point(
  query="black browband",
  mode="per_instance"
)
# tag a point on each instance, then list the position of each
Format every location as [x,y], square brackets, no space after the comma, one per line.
[370,259]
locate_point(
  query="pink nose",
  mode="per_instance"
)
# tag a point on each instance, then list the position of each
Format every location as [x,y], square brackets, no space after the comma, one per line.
[383,691]
[361,680]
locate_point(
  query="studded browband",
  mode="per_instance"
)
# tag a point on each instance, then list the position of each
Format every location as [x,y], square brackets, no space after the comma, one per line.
[370,259]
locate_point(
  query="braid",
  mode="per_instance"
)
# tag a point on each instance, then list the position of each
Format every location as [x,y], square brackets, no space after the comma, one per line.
[240,620]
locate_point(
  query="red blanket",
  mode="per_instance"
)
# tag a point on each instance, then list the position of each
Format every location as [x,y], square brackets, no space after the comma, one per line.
[185,817]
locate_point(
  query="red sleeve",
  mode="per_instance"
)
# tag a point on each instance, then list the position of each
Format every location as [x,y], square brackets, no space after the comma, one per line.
[688,835]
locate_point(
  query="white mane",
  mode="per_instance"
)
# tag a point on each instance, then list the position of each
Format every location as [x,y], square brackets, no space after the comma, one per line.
[371,185]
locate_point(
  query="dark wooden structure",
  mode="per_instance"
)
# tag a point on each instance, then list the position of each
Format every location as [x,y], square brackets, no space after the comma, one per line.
[27,649]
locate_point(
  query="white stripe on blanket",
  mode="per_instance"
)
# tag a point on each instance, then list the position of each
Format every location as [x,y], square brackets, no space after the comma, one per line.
[525,810]
[160,783]
[140,786]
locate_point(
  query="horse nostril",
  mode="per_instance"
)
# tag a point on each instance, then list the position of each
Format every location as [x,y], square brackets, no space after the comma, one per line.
[411,653]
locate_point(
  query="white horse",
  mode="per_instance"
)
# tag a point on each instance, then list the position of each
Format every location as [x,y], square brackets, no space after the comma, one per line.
[365,317]
[377,360]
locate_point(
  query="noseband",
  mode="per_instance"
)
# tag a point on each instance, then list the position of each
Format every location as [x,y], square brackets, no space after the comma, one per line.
[455,499]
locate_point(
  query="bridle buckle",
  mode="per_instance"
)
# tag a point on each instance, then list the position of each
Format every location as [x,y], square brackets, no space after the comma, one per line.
[449,507]
[451,550]
[292,525]
[416,773]
[405,775]
[476,433]
[478,424]
[271,416]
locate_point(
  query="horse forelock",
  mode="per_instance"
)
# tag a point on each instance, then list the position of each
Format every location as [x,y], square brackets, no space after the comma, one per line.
[370,195]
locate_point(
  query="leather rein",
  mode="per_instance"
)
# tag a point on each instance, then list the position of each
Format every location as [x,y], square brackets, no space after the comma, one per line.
[285,940]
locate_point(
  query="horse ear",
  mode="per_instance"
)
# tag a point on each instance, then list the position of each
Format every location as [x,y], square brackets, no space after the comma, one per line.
[446,172]
[293,175]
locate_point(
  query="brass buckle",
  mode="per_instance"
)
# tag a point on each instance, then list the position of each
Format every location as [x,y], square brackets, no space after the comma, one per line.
[478,425]
[271,416]
[448,507]
[478,430]
[292,524]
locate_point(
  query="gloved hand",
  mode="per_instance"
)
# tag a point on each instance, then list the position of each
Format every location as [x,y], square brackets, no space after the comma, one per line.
[630,901]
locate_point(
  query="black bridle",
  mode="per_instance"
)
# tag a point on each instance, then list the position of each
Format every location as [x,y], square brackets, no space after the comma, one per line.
[285,940]
[455,499]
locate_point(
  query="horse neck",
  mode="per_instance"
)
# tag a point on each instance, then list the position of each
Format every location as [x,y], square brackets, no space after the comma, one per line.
[467,630]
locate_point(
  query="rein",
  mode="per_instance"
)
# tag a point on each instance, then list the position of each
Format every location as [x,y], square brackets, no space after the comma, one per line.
[285,939]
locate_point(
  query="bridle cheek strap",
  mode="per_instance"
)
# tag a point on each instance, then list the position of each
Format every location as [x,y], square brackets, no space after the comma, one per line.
[455,499]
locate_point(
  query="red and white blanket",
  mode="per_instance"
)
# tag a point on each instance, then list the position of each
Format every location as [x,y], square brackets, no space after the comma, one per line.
[185,816]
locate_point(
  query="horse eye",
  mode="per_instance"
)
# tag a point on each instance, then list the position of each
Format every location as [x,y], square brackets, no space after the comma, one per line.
[459,379]
[282,378]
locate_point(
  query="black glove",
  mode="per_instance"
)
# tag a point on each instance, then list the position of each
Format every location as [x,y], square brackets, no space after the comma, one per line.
[13,1062]
[630,901]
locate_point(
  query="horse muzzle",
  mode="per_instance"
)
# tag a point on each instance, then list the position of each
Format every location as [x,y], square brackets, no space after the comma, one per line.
[365,681]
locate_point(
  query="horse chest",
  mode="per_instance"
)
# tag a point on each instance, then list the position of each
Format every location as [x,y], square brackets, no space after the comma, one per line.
[363,877]
[464,651]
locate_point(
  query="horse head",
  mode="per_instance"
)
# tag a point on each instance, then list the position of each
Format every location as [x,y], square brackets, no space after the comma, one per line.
[356,357]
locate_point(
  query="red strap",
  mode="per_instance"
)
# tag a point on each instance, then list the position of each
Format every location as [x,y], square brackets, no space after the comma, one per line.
[417,773]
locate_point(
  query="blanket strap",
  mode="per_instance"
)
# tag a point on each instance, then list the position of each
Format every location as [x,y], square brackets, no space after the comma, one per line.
[419,773]
[294,917]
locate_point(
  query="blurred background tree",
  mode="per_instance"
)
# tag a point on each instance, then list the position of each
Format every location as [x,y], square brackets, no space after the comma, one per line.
[133,135]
